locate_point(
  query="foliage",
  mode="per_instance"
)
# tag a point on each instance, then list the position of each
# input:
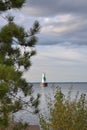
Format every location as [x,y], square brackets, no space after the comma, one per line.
[8,4]
[66,114]
[16,49]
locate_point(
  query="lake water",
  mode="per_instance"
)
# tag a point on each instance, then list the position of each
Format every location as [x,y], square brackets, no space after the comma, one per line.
[49,91]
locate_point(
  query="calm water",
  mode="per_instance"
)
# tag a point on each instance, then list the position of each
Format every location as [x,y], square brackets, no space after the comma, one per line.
[49,91]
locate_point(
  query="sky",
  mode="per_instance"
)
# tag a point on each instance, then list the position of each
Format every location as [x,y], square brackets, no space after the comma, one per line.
[62,40]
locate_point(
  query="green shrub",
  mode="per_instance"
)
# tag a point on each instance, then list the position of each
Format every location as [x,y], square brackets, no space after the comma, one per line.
[65,114]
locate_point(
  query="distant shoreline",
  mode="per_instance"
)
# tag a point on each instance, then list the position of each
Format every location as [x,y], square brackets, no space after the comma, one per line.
[61,82]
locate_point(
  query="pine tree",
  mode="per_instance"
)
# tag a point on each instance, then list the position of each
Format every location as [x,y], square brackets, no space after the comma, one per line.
[14,60]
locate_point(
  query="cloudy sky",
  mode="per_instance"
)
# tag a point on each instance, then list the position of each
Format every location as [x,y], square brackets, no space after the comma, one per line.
[62,41]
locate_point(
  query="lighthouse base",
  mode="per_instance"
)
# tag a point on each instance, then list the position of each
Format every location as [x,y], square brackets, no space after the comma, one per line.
[43,84]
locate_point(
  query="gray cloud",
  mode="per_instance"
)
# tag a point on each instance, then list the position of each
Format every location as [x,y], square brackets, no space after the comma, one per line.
[54,7]
[72,31]
[64,21]
[65,40]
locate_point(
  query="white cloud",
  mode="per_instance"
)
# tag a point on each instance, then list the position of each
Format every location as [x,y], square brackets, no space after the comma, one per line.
[63,24]
[57,18]
[59,63]
[60,52]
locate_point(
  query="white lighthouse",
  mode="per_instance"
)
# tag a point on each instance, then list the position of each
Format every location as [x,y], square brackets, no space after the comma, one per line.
[43,82]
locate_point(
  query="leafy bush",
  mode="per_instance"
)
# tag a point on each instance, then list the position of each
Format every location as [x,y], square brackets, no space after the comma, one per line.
[66,114]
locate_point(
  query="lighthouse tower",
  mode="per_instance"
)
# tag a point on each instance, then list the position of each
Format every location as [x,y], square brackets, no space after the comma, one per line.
[43,82]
